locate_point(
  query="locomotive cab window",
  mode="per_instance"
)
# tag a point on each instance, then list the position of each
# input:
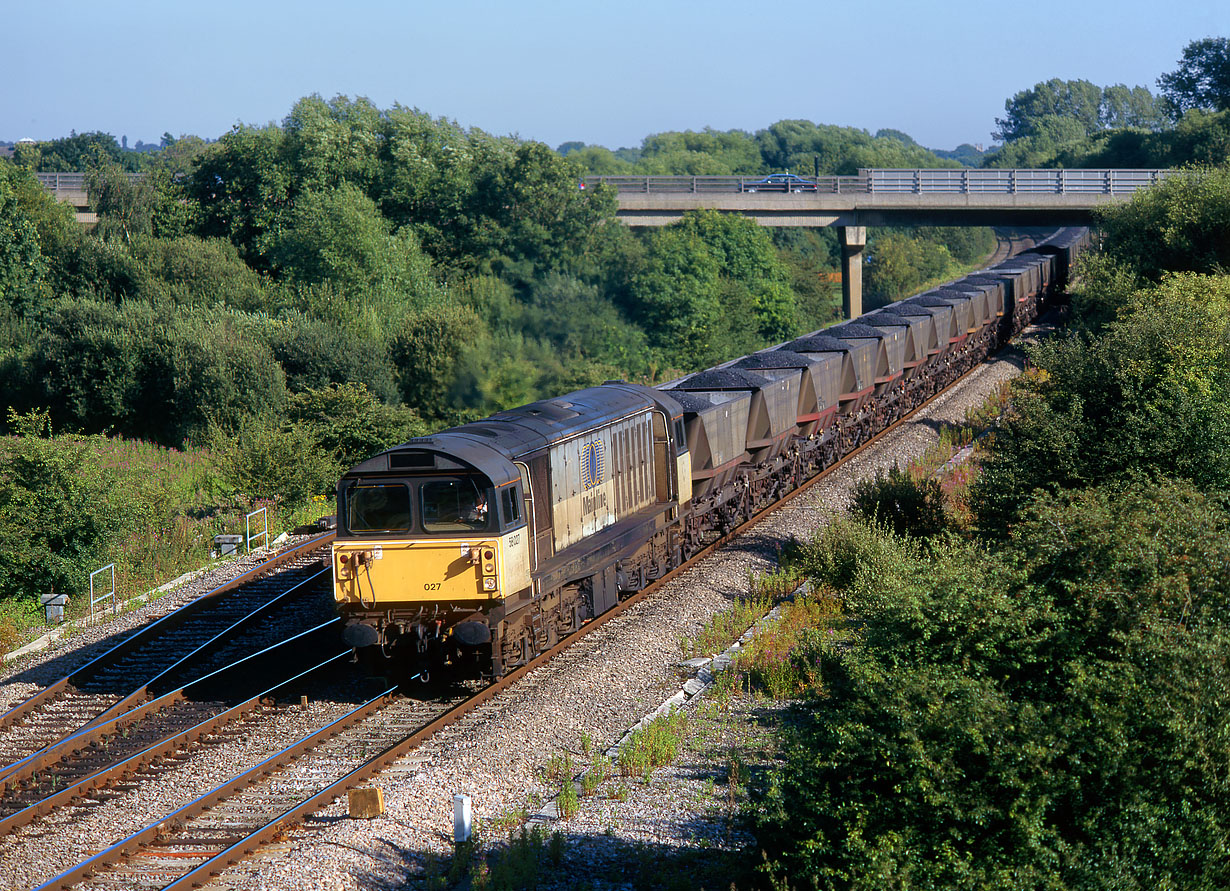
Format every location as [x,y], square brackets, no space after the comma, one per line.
[454,505]
[379,508]
[512,510]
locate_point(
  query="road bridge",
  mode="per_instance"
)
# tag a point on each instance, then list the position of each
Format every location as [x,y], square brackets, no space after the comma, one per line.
[874,197]
[70,188]
[881,197]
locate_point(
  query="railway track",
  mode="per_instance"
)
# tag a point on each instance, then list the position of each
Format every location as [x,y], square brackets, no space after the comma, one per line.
[200,839]
[96,765]
[219,627]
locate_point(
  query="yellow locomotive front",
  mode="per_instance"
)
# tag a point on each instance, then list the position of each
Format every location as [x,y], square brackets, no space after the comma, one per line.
[428,550]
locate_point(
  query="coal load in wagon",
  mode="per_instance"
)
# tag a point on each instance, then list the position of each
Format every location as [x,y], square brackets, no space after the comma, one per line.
[939,312]
[979,311]
[919,332]
[819,379]
[772,414]
[890,354]
[857,369]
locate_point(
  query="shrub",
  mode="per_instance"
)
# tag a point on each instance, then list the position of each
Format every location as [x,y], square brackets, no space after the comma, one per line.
[272,459]
[53,515]
[1051,716]
[351,423]
[130,369]
[908,506]
[1147,397]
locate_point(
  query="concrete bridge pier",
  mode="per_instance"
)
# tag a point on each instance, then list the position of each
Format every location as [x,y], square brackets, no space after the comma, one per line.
[853,239]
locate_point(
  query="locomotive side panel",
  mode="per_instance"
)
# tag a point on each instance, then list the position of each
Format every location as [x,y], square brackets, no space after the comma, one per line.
[599,478]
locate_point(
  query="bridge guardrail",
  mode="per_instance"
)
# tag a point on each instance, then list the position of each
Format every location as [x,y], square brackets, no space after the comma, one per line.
[959,181]
[62,182]
[699,184]
[71,182]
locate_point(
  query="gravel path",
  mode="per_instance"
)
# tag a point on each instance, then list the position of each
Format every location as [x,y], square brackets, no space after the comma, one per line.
[597,689]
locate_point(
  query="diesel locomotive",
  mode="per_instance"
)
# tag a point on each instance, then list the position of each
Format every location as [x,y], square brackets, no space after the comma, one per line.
[472,550]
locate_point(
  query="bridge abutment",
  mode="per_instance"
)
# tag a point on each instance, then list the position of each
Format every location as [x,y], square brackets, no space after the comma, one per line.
[853,239]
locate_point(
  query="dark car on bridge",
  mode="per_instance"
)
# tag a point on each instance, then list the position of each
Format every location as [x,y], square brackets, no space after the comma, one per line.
[780,182]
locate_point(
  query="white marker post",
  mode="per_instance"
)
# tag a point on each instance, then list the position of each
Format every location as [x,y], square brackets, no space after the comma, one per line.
[462,819]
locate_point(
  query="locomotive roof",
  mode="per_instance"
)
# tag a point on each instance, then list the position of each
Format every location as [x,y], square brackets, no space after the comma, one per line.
[492,444]
[447,451]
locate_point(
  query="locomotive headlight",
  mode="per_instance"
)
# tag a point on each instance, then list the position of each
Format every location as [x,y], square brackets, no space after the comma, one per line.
[488,561]
[489,584]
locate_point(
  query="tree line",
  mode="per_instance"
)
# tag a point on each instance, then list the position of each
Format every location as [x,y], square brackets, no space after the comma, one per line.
[446,270]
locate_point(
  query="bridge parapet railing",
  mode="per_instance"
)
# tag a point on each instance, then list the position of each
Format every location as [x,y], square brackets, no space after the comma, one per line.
[1012,181]
[960,181]
[711,184]
[63,182]
[72,182]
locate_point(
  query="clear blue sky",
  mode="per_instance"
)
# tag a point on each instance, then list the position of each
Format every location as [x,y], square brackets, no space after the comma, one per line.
[609,73]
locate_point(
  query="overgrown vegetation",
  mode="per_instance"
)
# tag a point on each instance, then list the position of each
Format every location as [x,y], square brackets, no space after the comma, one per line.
[70,504]
[1036,700]
[652,746]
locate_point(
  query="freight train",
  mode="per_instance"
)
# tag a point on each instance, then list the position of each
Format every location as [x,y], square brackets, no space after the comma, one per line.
[470,551]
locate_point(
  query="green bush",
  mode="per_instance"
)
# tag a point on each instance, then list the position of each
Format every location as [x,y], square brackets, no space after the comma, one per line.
[55,518]
[273,460]
[132,370]
[908,506]
[1178,225]
[351,423]
[1149,396]
[316,354]
[1050,716]
[200,272]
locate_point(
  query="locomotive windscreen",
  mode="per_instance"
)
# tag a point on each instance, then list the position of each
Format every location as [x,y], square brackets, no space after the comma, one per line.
[453,505]
[378,508]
